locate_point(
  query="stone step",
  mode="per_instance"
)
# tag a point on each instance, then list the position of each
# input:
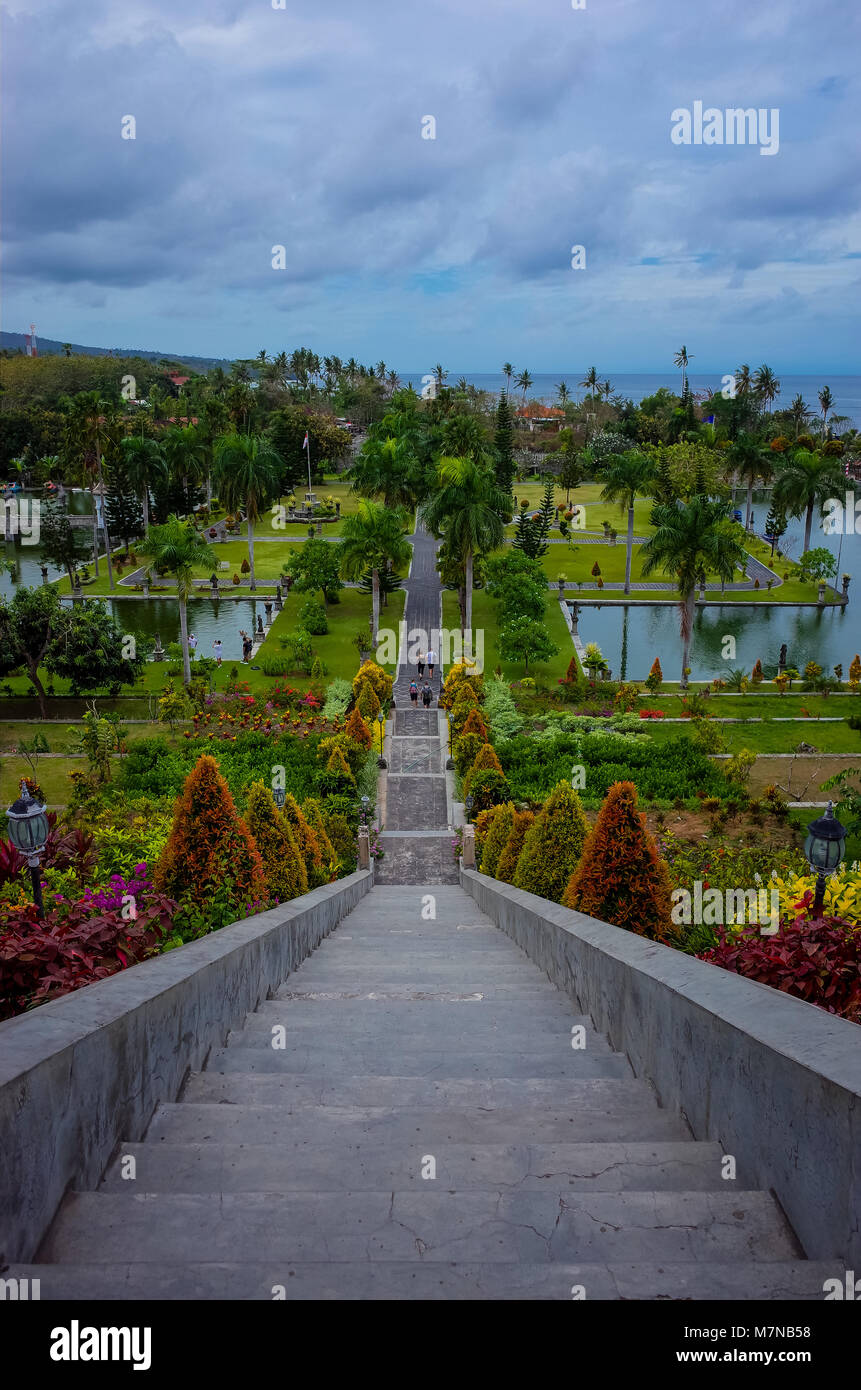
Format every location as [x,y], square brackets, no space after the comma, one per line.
[360,1165]
[563,1098]
[418,722]
[415,802]
[324,987]
[415,861]
[555,1059]
[537,1017]
[399,1280]
[606,1120]
[107,1227]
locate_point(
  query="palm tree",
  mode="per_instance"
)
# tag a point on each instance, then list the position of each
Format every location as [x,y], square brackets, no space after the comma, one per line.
[798,412]
[374,538]
[67,349]
[144,463]
[524,381]
[186,455]
[682,359]
[606,388]
[248,469]
[393,380]
[508,373]
[766,384]
[93,421]
[563,395]
[627,476]
[826,401]
[750,464]
[177,549]
[805,480]
[439,376]
[590,381]
[467,509]
[690,539]
[743,380]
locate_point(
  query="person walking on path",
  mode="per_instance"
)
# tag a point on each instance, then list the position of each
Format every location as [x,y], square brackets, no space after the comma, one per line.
[216,647]
[426,696]
[414,694]
[421,666]
[431,660]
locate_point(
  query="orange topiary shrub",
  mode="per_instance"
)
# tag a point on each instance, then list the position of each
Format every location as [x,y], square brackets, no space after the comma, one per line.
[497,836]
[210,851]
[552,845]
[476,724]
[367,700]
[485,758]
[756,673]
[621,877]
[309,845]
[357,729]
[282,862]
[507,862]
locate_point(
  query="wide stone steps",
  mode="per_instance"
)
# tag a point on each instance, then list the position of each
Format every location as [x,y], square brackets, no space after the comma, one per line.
[408,1119]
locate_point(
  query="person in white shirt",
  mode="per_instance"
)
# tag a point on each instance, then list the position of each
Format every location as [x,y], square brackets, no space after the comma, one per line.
[216,647]
[192,645]
[431,661]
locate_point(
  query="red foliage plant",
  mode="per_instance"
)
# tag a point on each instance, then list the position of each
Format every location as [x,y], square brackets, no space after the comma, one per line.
[210,844]
[73,946]
[815,960]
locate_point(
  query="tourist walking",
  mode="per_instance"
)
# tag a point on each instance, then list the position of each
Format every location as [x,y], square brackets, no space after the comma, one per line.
[216,647]
[431,660]
[426,696]
[192,645]
[421,666]
[414,694]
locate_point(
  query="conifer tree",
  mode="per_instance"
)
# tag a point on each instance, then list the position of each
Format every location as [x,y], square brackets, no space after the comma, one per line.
[210,851]
[497,836]
[284,865]
[552,845]
[306,841]
[507,862]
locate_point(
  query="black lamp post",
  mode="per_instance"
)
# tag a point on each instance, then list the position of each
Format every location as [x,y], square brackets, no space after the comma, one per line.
[468,806]
[365,804]
[381,720]
[823,850]
[280,795]
[28,832]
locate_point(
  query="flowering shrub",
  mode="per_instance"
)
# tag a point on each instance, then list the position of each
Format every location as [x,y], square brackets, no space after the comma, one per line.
[818,961]
[651,714]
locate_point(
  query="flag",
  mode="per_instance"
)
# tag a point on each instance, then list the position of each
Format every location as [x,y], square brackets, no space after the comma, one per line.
[305,441]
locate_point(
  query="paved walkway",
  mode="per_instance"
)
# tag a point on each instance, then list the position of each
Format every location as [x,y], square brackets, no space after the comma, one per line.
[427,1131]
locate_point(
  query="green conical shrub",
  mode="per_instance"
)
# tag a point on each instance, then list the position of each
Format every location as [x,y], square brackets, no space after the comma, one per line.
[553,845]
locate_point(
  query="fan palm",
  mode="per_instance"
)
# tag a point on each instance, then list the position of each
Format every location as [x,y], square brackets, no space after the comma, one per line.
[806,480]
[467,509]
[691,539]
[144,463]
[177,549]
[248,469]
[627,476]
[374,538]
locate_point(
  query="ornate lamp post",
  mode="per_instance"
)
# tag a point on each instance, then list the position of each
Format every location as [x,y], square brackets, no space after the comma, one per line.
[381,720]
[280,795]
[468,804]
[823,850]
[28,832]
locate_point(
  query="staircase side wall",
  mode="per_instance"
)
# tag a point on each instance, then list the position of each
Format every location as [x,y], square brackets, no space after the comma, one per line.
[775,1080]
[86,1071]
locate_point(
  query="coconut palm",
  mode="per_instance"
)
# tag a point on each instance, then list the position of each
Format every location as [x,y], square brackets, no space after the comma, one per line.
[590,381]
[467,509]
[178,550]
[524,381]
[563,395]
[691,539]
[766,384]
[248,470]
[373,538]
[67,349]
[627,476]
[93,425]
[439,376]
[388,469]
[804,481]
[144,463]
[682,359]
[750,464]
[186,454]
[798,413]
[743,380]
[508,373]
[826,401]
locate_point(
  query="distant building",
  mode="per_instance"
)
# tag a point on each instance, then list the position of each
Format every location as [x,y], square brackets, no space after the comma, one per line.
[541,415]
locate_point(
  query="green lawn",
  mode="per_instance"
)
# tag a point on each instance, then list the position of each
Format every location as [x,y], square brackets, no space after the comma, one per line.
[485,619]
[51,773]
[786,706]
[769,737]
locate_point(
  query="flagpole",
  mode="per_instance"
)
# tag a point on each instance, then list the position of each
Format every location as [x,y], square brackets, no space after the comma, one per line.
[308,452]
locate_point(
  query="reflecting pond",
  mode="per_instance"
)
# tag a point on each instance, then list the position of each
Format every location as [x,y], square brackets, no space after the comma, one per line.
[631,636]
[207,619]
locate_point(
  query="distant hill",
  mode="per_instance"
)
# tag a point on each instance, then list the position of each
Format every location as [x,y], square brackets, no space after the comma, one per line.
[48,347]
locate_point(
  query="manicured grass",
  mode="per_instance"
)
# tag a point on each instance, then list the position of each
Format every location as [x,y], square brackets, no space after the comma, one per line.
[485,612]
[52,775]
[769,737]
[786,706]
[588,496]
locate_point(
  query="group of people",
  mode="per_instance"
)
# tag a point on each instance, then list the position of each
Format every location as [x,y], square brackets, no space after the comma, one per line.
[426,693]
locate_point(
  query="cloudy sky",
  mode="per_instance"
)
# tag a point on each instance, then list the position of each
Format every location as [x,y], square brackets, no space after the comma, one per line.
[302,126]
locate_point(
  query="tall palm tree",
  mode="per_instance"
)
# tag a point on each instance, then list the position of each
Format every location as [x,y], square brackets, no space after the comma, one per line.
[743,380]
[439,376]
[563,395]
[750,464]
[144,463]
[93,423]
[186,455]
[393,380]
[67,349]
[627,476]
[766,384]
[177,549]
[682,359]
[590,381]
[691,539]
[804,481]
[826,401]
[247,468]
[373,537]
[467,509]
[508,373]
[798,412]
[606,389]
[524,381]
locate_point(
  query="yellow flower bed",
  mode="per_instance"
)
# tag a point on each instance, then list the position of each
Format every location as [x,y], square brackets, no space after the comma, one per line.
[842,893]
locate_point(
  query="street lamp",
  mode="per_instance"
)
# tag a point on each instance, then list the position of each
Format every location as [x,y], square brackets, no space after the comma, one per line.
[468,804]
[365,806]
[280,795]
[823,850]
[28,832]
[381,720]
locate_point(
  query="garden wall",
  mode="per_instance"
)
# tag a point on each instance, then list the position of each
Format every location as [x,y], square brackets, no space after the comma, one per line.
[775,1080]
[86,1071]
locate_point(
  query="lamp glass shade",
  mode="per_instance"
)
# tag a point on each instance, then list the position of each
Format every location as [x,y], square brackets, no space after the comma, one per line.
[826,839]
[27,824]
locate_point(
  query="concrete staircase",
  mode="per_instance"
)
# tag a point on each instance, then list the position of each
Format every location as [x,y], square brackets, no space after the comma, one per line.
[417,840]
[406,1044]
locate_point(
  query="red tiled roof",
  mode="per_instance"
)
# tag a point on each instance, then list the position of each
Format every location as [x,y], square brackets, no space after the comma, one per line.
[540,412]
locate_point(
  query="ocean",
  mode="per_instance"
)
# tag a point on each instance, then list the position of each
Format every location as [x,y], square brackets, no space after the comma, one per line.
[846,390]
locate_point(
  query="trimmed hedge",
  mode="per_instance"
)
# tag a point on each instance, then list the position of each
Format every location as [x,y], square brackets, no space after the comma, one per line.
[553,845]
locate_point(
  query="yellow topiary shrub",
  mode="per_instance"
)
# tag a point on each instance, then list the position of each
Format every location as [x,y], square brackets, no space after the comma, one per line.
[553,845]
[481,827]
[461,673]
[376,677]
[307,843]
[367,701]
[497,837]
[484,758]
[284,866]
[507,862]
[314,816]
